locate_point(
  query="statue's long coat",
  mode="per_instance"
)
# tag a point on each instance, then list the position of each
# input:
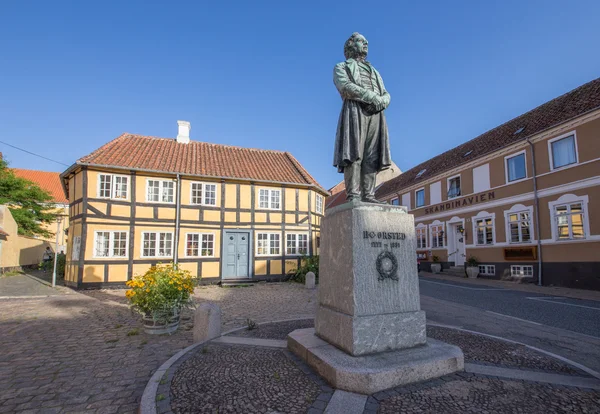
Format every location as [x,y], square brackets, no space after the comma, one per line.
[346,77]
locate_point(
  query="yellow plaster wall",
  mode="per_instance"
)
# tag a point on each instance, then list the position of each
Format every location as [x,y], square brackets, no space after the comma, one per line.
[117,273]
[212,215]
[275,217]
[190,267]
[290,265]
[100,206]
[275,267]
[210,269]
[260,267]
[290,199]
[260,217]
[189,214]
[92,184]
[245,196]
[143,212]
[78,186]
[290,218]
[140,268]
[303,200]
[93,273]
[121,211]
[245,217]
[166,213]
[230,195]
[230,217]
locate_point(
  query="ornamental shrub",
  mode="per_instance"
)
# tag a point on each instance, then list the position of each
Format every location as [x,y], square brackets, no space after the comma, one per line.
[161,291]
[307,264]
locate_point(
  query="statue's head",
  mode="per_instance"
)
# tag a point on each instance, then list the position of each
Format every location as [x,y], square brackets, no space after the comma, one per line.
[356,47]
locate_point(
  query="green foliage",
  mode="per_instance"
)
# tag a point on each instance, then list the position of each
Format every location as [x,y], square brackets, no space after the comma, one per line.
[61,261]
[160,291]
[472,261]
[435,258]
[251,325]
[307,264]
[30,206]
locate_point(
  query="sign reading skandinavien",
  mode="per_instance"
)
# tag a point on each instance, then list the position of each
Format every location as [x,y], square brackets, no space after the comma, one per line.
[467,201]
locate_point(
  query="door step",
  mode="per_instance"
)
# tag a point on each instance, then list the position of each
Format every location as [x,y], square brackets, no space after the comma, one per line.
[238,282]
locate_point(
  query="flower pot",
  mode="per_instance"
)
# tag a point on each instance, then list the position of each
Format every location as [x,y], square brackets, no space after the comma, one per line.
[472,272]
[436,267]
[159,327]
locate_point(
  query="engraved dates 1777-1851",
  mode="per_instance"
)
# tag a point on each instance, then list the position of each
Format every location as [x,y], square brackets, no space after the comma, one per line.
[386,263]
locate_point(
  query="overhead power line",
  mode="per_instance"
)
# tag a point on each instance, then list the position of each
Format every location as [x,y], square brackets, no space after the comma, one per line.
[37,155]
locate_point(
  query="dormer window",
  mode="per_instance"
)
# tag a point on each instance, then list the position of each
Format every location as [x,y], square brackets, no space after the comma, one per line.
[421,173]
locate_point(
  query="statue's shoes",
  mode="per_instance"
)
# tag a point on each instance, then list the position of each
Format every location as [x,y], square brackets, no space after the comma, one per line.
[372,200]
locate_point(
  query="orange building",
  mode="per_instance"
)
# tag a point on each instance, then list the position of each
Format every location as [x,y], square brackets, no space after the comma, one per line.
[523,199]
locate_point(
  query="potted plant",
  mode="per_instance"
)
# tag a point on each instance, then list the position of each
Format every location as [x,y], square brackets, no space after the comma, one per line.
[436,266]
[159,296]
[472,267]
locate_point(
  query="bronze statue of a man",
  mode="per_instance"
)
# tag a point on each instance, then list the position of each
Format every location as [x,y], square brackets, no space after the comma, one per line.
[362,147]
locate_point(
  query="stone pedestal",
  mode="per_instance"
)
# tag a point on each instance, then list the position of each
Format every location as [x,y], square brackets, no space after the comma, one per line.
[369,288]
[370,331]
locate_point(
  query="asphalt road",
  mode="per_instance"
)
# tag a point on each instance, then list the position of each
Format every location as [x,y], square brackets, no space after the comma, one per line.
[581,316]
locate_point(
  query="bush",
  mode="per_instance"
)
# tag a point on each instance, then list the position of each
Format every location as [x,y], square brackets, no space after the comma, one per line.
[472,261]
[307,264]
[160,291]
[61,261]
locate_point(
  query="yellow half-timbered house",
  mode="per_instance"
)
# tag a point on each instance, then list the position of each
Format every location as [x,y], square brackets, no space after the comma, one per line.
[224,213]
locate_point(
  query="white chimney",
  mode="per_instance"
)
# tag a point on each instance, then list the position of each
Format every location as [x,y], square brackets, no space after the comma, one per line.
[183,136]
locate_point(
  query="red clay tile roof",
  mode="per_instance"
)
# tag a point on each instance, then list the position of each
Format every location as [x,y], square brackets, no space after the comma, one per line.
[199,158]
[338,195]
[557,111]
[46,180]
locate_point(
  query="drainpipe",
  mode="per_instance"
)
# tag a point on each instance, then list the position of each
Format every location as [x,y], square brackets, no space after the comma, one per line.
[537,213]
[177,218]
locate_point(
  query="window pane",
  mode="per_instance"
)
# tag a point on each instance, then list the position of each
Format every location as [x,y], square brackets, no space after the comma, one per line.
[514,233]
[275,199]
[291,243]
[120,187]
[208,244]
[264,198]
[165,244]
[167,191]
[149,244]
[395,202]
[525,235]
[105,185]
[196,193]
[420,198]
[102,244]
[563,152]
[516,167]
[575,208]
[454,187]
[153,190]
[119,247]
[480,234]
[563,230]
[561,210]
[210,194]
[513,217]
[191,248]
[302,243]
[274,239]
[262,243]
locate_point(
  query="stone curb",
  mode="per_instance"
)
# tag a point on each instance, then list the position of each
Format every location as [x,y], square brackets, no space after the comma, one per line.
[550,354]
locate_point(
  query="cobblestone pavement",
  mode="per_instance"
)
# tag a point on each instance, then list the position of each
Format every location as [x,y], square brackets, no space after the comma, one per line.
[468,393]
[86,352]
[480,349]
[241,379]
[279,330]
[22,285]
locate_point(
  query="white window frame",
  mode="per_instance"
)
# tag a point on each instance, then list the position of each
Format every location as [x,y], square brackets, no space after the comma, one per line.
[488,270]
[519,270]
[203,192]
[484,215]
[200,241]
[270,191]
[270,234]
[111,241]
[516,154]
[113,187]
[162,181]
[516,209]
[421,227]
[442,227]
[156,248]
[417,198]
[448,186]
[287,253]
[570,199]
[318,203]
[550,155]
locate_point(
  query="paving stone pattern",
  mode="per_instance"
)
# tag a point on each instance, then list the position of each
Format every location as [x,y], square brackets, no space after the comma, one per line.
[241,379]
[483,350]
[86,352]
[277,330]
[464,393]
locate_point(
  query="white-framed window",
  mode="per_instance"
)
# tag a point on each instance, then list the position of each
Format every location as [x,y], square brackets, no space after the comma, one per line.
[570,219]
[436,231]
[521,270]
[110,244]
[519,225]
[421,234]
[113,186]
[319,203]
[395,201]
[454,186]
[488,270]
[563,151]
[515,167]
[420,197]
[157,244]
[267,244]
[200,245]
[483,228]
[160,191]
[269,199]
[296,244]
[203,194]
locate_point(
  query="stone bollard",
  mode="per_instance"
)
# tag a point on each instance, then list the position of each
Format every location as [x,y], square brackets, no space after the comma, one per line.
[207,322]
[310,281]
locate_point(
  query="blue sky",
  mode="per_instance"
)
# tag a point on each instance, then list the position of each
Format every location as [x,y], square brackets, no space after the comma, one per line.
[74,75]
